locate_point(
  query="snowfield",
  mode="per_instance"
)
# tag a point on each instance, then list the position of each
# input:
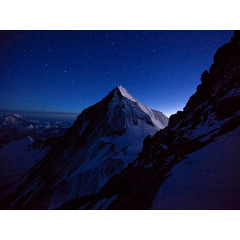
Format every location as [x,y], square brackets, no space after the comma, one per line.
[206,179]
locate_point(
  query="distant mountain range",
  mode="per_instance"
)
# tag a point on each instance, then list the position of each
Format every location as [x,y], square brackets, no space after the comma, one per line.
[16,127]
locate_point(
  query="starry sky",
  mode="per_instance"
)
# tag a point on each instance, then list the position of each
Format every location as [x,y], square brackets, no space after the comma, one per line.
[68,71]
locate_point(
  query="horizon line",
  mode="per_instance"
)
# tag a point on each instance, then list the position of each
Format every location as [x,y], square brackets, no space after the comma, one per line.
[42,112]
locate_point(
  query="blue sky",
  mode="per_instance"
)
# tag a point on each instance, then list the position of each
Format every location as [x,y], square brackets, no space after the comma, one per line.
[68,71]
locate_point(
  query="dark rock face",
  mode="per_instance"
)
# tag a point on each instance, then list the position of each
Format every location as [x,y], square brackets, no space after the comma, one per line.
[211,112]
[226,52]
[236,37]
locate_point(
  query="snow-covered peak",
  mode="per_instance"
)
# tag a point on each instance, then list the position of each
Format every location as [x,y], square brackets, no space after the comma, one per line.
[134,110]
[14,119]
[104,139]
[125,93]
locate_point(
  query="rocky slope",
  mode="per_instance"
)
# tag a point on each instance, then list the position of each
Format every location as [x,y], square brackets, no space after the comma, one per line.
[104,139]
[194,162]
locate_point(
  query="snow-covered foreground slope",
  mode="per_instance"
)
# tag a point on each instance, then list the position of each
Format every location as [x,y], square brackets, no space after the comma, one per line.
[206,179]
[104,139]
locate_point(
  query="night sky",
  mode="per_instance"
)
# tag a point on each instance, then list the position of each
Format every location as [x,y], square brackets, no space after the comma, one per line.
[67,71]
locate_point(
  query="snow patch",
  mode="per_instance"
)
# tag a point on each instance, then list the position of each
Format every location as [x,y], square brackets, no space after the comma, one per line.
[108,202]
[103,203]
[83,128]
[82,207]
[99,204]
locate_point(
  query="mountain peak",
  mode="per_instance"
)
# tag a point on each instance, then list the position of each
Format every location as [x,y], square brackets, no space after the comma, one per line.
[121,91]
[103,140]
[132,111]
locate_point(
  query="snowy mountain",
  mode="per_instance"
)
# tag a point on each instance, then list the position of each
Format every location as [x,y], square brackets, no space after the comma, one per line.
[16,127]
[18,122]
[22,123]
[103,140]
[194,162]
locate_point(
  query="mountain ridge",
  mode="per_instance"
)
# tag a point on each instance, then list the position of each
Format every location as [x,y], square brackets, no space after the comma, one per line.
[103,140]
[15,127]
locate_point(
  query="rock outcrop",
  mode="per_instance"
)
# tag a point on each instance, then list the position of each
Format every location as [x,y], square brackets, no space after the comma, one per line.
[236,37]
